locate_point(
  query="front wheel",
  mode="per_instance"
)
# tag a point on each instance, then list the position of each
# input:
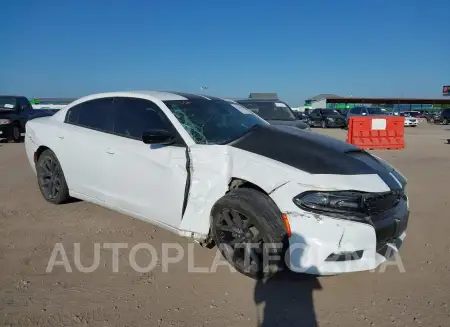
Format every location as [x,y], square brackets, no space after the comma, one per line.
[51,180]
[248,228]
[445,121]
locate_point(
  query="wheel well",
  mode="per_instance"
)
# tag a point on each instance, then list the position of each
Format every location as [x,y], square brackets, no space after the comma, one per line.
[234,184]
[39,151]
[242,183]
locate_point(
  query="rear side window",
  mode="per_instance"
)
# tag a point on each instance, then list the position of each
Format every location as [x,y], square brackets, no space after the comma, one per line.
[135,116]
[94,114]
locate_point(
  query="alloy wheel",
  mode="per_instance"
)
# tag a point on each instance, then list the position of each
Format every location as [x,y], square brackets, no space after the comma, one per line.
[49,177]
[241,239]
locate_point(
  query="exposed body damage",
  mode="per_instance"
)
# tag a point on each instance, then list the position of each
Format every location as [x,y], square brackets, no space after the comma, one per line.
[178,183]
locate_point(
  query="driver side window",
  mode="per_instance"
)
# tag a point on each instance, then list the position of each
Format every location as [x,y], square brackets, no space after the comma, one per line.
[133,116]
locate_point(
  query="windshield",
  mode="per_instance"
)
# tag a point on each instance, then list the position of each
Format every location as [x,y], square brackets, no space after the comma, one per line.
[8,103]
[330,112]
[270,110]
[375,111]
[213,121]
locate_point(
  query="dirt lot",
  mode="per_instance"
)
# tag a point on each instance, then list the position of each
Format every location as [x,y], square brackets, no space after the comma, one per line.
[30,228]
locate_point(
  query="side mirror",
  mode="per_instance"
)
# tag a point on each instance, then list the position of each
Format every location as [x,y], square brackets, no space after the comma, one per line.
[158,136]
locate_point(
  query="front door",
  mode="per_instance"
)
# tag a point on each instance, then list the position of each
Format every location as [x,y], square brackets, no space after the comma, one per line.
[146,180]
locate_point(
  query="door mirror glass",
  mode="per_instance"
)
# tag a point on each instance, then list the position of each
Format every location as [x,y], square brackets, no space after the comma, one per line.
[158,136]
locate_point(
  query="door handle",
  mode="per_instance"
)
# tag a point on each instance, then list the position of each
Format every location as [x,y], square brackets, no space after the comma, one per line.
[61,137]
[110,151]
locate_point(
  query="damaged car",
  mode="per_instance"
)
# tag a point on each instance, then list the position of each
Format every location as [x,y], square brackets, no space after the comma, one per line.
[267,196]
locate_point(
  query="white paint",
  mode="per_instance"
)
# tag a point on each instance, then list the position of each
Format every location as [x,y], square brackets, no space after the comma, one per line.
[378,124]
[148,183]
[9,106]
[280,105]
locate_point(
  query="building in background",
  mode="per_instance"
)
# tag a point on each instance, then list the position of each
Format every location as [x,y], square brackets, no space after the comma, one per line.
[333,101]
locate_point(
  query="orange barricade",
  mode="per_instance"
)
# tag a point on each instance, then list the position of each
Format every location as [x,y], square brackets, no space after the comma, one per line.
[376,132]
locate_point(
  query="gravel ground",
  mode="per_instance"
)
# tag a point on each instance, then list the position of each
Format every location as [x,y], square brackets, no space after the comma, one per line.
[30,296]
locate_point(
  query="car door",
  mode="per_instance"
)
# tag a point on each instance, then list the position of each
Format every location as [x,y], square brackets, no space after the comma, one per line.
[147,181]
[81,147]
[315,117]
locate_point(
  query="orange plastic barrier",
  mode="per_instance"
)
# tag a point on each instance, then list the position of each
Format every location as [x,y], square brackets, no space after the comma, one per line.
[376,132]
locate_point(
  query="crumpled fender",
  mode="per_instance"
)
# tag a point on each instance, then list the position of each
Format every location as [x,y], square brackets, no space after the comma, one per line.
[212,169]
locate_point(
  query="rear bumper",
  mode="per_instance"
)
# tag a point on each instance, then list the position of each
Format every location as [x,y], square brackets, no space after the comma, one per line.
[6,131]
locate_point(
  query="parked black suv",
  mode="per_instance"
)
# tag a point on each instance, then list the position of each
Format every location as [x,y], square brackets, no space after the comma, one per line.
[15,111]
[442,117]
[275,112]
[326,118]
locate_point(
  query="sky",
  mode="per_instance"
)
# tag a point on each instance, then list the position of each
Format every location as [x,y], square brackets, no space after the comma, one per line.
[298,49]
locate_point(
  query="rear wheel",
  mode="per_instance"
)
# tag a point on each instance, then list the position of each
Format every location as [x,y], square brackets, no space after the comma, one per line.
[445,121]
[248,229]
[16,137]
[51,180]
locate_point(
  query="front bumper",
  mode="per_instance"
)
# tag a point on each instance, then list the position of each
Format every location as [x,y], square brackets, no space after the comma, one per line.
[411,123]
[6,131]
[324,245]
[336,123]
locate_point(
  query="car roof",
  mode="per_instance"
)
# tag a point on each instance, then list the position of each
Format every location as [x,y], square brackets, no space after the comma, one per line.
[11,96]
[159,95]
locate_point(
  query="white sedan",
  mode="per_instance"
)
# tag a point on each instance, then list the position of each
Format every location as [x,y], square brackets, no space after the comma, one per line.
[411,121]
[213,171]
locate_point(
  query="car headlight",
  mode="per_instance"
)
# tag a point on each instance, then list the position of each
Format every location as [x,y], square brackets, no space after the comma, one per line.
[346,204]
[5,122]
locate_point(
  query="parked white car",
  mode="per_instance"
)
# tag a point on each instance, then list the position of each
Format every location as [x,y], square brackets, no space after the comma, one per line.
[411,121]
[213,171]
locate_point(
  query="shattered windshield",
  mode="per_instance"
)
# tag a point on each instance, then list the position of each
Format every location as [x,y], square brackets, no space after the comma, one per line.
[8,103]
[213,121]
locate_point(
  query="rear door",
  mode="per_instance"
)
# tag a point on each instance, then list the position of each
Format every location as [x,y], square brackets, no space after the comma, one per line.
[82,146]
[148,181]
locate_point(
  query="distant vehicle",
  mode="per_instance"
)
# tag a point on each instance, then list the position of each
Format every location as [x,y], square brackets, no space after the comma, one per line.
[366,111]
[326,118]
[409,120]
[15,111]
[441,117]
[302,116]
[215,172]
[415,114]
[275,112]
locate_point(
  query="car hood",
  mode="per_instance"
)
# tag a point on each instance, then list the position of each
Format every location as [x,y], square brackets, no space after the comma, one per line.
[293,123]
[314,153]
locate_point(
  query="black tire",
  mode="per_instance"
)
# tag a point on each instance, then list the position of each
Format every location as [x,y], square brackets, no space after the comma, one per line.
[51,180]
[260,224]
[324,124]
[15,134]
[445,121]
